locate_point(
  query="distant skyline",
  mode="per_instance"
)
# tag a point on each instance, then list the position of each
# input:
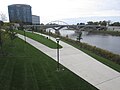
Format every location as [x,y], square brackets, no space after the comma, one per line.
[50,10]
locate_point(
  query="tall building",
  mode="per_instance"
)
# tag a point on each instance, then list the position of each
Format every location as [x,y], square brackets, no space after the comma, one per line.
[20,13]
[35,20]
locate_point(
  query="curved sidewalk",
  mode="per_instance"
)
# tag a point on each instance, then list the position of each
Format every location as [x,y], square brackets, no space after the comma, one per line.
[94,72]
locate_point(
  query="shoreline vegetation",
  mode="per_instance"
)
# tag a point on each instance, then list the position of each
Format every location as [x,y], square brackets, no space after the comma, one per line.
[108,58]
[113,33]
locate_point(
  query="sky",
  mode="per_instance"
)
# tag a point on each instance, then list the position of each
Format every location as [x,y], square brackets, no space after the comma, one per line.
[50,10]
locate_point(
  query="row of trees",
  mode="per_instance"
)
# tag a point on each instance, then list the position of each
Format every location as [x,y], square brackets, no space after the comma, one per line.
[102,23]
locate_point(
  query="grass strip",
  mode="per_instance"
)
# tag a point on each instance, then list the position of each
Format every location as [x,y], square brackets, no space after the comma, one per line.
[42,39]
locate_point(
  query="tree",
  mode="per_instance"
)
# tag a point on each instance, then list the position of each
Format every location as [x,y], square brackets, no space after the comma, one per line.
[79,37]
[103,23]
[116,24]
[82,23]
[108,22]
[1,43]
[77,23]
[96,23]
[41,24]
[3,17]
[90,23]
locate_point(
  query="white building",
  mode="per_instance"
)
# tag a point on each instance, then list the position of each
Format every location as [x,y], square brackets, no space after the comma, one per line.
[35,20]
[114,28]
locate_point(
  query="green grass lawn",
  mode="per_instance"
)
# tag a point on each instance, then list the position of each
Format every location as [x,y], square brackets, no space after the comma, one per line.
[105,61]
[101,59]
[26,68]
[40,39]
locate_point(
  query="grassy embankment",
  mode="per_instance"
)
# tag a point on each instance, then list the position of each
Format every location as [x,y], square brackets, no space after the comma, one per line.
[39,38]
[26,68]
[97,57]
[105,61]
[77,45]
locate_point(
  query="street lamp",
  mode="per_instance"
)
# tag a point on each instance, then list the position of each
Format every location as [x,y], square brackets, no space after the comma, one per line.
[58,39]
[49,33]
[24,36]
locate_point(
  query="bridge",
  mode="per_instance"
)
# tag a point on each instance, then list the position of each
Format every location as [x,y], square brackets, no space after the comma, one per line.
[57,25]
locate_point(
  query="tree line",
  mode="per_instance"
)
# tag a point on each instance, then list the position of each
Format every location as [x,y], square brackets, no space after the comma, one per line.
[101,23]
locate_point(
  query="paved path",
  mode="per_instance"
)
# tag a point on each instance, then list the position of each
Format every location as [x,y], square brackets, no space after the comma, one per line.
[94,72]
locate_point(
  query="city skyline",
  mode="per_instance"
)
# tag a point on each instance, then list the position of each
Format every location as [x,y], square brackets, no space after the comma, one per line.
[50,10]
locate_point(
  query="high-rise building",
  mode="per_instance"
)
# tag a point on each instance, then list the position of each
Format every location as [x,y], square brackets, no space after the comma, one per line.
[20,13]
[35,20]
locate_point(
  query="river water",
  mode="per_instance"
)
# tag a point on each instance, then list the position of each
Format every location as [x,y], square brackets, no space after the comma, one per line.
[107,42]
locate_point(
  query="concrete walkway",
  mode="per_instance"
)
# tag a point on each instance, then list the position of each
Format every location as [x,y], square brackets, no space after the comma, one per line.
[94,72]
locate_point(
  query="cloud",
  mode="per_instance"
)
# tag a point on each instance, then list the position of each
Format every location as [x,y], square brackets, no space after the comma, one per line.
[58,9]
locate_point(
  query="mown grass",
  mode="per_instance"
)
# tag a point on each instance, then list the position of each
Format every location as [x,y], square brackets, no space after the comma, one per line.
[105,61]
[40,38]
[26,68]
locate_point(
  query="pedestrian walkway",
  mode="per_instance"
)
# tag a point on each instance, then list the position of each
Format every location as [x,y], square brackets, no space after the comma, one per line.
[94,72]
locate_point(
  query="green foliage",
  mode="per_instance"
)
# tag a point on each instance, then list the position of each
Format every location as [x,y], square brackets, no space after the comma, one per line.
[6,35]
[106,57]
[115,24]
[5,39]
[79,37]
[114,33]
[27,68]
[102,23]
[1,23]
[40,38]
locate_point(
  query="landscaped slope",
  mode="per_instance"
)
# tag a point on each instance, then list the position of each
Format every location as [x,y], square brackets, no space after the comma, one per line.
[26,68]
[39,38]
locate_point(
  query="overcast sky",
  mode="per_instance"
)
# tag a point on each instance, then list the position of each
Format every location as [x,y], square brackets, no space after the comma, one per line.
[50,10]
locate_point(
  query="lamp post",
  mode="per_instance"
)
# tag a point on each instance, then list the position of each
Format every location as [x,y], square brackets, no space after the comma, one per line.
[24,36]
[49,33]
[58,39]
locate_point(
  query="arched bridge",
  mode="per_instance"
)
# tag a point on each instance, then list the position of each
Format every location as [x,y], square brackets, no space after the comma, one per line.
[57,25]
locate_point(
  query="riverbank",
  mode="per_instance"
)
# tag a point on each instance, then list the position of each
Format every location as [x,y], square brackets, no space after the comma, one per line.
[108,58]
[113,33]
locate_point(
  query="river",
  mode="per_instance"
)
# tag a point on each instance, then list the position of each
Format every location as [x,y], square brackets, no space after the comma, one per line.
[107,42]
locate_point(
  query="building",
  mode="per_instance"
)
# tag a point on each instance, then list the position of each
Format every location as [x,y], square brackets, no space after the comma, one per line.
[113,28]
[20,13]
[35,20]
